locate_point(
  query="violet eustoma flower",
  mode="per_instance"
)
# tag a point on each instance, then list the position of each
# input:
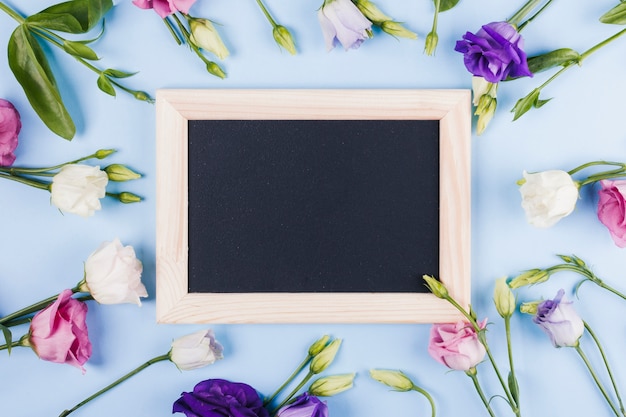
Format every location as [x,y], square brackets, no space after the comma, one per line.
[10,126]
[165,8]
[304,406]
[612,209]
[342,22]
[219,397]
[559,320]
[456,345]
[495,52]
[59,334]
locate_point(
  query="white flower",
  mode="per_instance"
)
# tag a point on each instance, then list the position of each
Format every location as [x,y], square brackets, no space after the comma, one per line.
[78,189]
[113,274]
[205,36]
[343,22]
[548,196]
[195,350]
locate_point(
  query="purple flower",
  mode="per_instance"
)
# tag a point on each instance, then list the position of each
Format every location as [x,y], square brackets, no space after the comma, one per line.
[559,320]
[304,406]
[342,22]
[10,126]
[494,52]
[220,398]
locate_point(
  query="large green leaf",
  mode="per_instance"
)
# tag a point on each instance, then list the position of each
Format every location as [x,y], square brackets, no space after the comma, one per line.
[556,58]
[75,16]
[615,16]
[31,69]
[447,4]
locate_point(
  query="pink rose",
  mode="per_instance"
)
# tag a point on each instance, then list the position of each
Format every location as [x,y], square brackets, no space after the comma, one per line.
[58,333]
[456,345]
[10,126]
[165,8]
[612,209]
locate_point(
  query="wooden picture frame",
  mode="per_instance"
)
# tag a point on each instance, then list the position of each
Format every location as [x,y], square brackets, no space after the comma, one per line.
[174,108]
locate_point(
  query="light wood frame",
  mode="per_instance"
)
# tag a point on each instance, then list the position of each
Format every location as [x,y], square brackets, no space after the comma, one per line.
[174,304]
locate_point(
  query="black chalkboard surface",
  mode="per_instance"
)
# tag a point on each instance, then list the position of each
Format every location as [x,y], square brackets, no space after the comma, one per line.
[313,205]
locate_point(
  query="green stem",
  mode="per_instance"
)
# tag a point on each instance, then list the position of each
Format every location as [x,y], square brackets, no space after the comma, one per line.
[33,183]
[295,373]
[507,327]
[590,276]
[595,163]
[116,383]
[523,11]
[267,13]
[294,391]
[428,397]
[17,322]
[31,171]
[167,22]
[606,364]
[472,374]
[603,176]
[530,19]
[32,308]
[12,345]
[11,13]
[597,381]
[436,16]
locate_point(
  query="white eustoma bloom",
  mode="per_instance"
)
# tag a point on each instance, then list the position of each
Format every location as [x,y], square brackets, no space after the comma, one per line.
[195,350]
[113,274]
[78,189]
[548,196]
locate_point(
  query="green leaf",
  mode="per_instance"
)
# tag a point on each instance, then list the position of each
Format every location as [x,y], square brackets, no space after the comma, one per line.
[105,85]
[75,16]
[79,49]
[514,388]
[31,69]
[8,337]
[526,103]
[447,4]
[556,58]
[615,16]
[118,74]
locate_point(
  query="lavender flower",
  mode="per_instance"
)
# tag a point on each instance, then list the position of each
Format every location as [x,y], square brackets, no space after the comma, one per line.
[304,406]
[342,22]
[559,320]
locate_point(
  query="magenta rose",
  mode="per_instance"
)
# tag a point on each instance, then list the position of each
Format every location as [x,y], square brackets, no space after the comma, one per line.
[495,52]
[304,405]
[220,398]
[165,8]
[456,345]
[58,333]
[612,209]
[10,126]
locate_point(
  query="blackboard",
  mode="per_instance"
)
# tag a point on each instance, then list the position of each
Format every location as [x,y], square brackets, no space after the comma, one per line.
[311,205]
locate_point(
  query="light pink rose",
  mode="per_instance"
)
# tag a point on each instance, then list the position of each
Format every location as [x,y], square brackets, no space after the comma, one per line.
[10,126]
[165,8]
[58,333]
[612,209]
[456,345]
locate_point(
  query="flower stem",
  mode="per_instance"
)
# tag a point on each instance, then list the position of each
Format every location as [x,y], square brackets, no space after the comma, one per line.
[33,183]
[597,381]
[267,13]
[589,276]
[530,19]
[116,383]
[428,397]
[606,364]
[596,163]
[11,13]
[32,171]
[172,30]
[294,391]
[472,374]
[295,373]
[513,378]
[12,345]
[32,308]
[523,11]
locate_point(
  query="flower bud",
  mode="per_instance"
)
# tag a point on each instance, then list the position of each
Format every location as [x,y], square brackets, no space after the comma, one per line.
[322,360]
[283,38]
[215,69]
[503,298]
[103,153]
[529,307]
[126,197]
[195,350]
[318,345]
[205,36]
[371,12]
[396,29]
[394,379]
[436,287]
[432,39]
[143,96]
[331,385]
[118,172]
[530,277]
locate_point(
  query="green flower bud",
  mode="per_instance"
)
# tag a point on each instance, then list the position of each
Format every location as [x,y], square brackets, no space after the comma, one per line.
[119,172]
[215,69]
[103,153]
[437,288]
[396,29]
[142,96]
[322,360]
[530,277]
[371,12]
[126,197]
[205,36]
[331,385]
[432,39]
[529,308]
[503,298]
[394,379]
[319,345]
[283,38]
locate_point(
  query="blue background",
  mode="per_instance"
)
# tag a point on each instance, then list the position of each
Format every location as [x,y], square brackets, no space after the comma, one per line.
[43,250]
